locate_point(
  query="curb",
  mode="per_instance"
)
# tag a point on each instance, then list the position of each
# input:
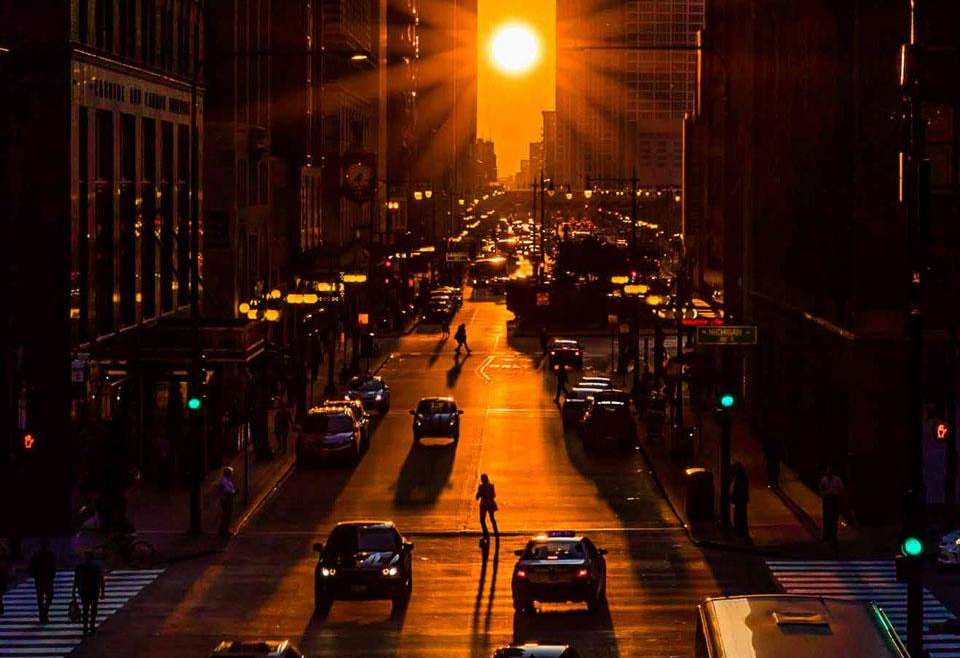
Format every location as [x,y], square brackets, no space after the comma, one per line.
[263,498]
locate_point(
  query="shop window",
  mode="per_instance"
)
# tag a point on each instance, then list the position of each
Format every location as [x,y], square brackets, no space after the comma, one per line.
[104,221]
[166,217]
[183,213]
[148,239]
[128,218]
[83,224]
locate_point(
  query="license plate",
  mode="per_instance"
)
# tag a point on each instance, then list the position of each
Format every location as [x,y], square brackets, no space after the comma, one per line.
[358,589]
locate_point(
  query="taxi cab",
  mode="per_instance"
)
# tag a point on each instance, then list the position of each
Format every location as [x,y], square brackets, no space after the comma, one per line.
[256,649]
[557,567]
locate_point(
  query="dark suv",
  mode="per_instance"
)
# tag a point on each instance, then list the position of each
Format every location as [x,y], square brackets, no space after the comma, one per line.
[436,417]
[363,561]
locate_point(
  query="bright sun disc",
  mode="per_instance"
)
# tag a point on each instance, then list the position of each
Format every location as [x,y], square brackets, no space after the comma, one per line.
[515,49]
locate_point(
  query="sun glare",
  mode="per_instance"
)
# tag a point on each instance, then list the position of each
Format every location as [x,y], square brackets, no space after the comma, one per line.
[515,48]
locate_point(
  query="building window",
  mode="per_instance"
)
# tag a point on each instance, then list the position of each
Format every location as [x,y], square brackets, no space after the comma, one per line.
[128,219]
[104,227]
[243,177]
[264,181]
[183,212]
[151,225]
[83,223]
[148,30]
[83,21]
[166,218]
[104,23]
[128,28]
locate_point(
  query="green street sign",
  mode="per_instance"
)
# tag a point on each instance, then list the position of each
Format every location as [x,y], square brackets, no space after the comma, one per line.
[727,335]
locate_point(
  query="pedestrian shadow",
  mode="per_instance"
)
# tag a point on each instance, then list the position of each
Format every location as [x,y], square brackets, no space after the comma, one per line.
[424,474]
[437,351]
[480,644]
[592,634]
[453,374]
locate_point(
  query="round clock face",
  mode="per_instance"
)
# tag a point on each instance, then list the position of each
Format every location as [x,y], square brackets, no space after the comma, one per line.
[359,176]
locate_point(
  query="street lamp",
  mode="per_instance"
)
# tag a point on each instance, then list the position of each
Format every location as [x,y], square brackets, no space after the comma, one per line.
[587,194]
[418,195]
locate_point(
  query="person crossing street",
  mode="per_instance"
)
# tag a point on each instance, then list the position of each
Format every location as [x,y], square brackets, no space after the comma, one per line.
[461,338]
[43,570]
[561,383]
[89,583]
[487,495]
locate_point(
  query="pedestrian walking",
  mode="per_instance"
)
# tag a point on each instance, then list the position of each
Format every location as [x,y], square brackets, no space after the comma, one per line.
[445,327]
[461,338]
[561,383]
[740,496]
[43,569]
[281,428]
[228,492]
[544,340]
[5,575]
[771,454]
[831,491]
[487,496]
[89,583]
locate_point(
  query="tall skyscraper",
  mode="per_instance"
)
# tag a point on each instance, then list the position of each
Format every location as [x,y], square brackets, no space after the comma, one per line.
[626,75]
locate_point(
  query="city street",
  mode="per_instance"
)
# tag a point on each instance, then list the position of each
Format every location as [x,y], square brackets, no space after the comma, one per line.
[262,586]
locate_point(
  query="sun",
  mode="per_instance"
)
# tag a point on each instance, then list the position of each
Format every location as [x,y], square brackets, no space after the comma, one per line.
[515,48]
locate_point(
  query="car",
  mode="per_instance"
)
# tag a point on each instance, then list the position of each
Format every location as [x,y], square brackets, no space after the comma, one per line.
[563,351]
[948,554]
[256,649]
[330,432]
[363,561]
[436,417]
[608,422]
[559,566]
[533,650]
[438,313]
[372,392]
[359,412]
[575,403]
[456,294]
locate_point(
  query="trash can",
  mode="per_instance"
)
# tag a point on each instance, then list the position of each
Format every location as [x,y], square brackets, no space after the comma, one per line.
[699,494]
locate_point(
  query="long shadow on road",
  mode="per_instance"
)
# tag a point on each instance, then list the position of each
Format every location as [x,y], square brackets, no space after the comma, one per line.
[424,474]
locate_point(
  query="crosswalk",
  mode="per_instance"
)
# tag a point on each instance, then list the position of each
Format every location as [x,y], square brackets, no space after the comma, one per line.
[871,581]
[21,634]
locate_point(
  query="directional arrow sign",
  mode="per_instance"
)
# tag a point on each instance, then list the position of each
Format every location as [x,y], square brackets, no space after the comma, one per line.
[727,335]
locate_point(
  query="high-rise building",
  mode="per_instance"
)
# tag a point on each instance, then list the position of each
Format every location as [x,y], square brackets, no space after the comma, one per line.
[550,145]
[626,73]
[485,164]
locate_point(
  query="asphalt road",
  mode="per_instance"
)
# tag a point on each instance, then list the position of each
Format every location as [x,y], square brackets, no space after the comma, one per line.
[262,585]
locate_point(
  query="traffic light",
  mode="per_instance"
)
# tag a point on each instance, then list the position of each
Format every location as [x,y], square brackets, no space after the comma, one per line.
[912,546]
[727,400]
[29,441]
[194,403]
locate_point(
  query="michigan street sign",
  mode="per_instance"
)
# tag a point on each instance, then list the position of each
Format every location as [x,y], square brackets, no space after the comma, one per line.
[727,335]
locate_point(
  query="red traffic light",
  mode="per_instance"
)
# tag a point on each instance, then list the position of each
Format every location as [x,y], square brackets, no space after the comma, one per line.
[943,431]
[28,441]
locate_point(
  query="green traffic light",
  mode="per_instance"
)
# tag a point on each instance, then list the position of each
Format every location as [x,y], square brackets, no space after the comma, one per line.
[726,400]
[912,547]
[193,403]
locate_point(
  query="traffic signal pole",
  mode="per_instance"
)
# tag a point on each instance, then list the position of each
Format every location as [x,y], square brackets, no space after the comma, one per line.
[914,196]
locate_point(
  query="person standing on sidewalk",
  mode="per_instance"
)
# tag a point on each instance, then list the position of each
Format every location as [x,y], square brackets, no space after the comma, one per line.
[831,491]
[43,570]
[281,428]
[740,496]
[487,496]
[88,581]
[228,492]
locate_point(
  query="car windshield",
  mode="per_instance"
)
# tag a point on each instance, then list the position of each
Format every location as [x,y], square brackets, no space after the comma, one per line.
[349,539]
[554,550]
[365,385]
[377,539]
[328,423]
[430,407]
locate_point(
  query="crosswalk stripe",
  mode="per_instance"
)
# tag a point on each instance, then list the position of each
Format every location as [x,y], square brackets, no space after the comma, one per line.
[871,581]
[22,635]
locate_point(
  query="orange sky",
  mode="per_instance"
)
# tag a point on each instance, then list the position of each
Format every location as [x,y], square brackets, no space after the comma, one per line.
[509,108]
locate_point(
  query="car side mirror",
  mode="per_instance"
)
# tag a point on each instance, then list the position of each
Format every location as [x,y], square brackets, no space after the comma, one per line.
[318,546]
[602,551]
[518,552]
[459,412]
[413,412]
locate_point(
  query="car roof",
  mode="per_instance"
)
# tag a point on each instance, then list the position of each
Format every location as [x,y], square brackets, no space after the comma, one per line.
[558,535]
[565,341]
[252,649]
[795,626]
[531,651]
[366,523]
[438,399]
[331,409]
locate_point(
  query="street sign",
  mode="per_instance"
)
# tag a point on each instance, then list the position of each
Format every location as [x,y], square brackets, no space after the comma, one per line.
[457,257]
[727,335]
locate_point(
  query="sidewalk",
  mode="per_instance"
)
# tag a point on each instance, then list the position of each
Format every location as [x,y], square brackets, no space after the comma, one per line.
[785,519]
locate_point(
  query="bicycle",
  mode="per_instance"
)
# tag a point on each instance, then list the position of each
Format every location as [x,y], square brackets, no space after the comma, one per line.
[135,553]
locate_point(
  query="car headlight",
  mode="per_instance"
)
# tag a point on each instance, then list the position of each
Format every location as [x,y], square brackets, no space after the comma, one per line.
[390,571]
[956,542]
[378,396]
[325,572]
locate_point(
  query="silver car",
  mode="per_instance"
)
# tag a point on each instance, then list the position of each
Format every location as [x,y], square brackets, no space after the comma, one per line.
[436,417]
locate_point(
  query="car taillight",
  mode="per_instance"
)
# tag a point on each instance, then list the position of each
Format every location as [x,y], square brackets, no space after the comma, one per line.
[583,573]
[521,573]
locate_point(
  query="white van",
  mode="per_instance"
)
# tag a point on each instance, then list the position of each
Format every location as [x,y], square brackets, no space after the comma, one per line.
[790,626]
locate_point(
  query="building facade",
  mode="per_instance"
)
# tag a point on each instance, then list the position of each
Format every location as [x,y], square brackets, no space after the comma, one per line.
[99,117]
[791,193]
[626,72]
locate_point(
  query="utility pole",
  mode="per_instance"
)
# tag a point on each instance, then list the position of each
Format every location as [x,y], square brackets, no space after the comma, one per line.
[914,197]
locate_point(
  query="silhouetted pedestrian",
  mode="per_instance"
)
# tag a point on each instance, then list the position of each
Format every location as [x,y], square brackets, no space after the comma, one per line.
[43,569]
[228,492]
[831,491]
[89,583]
[544,340]
[740,496]
[5,575]
[281,428]
[445,327]
[487,496]
[561,383]
[461,338]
